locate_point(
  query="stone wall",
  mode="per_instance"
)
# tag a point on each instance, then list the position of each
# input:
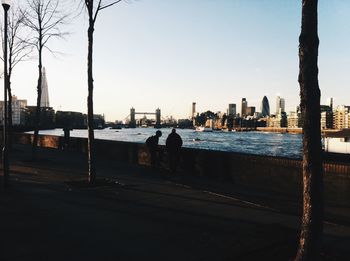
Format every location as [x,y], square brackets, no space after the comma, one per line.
[274,174]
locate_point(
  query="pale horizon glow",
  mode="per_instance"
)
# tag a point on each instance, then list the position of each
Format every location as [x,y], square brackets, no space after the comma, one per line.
[168,54]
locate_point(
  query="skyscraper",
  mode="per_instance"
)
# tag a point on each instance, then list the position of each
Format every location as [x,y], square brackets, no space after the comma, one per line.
[265,107]
[250,111]
[231,109]
[283,105]
[280,105]
[330,103]
[44,102]
[244,107]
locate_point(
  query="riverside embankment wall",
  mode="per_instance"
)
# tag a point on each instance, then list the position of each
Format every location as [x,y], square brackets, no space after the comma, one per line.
[275,174]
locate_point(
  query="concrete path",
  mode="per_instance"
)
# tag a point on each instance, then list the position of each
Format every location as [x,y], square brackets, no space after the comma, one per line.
[136,213]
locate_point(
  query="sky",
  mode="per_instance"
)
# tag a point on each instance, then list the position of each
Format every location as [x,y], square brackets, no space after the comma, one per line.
[166,54]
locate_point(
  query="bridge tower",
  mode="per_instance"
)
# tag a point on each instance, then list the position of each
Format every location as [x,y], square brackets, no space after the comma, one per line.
[132,123]
[158,125]
[193,113]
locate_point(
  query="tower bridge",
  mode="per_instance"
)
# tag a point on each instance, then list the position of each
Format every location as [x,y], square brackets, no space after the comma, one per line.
[133,113]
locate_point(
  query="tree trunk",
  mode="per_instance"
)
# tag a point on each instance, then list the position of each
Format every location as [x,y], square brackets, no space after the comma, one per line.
[38,109]
[90,118]
[312,219]
[9,126]
[9,91]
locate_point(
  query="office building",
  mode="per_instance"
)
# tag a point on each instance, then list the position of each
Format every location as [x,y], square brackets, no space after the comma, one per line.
[330,103]
[280,105]
[293,120]
[250,111]
[231,110]
[265,107]
[244,106]
[326,116]
[341,117]
[278,121]
[18,111]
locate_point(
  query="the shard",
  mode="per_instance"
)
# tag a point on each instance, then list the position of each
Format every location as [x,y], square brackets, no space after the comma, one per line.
[44,102]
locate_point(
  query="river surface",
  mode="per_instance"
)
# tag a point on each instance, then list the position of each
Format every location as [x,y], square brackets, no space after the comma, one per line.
[260,143]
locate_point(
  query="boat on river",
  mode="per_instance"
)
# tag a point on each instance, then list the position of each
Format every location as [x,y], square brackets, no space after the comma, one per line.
[203,129]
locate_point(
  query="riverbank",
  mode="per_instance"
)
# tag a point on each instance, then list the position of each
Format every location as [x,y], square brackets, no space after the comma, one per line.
[137,212]
[280,130]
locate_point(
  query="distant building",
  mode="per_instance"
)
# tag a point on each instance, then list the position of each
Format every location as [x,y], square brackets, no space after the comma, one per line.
[278,121]
[341,117]
[326,117]
[44,101]
[18,111]
[293,120]
[330,103]
[250,111]
[244,106]
[169,121]
[273,122]
[265,107]
[280,105]
[231,109]
[257,115]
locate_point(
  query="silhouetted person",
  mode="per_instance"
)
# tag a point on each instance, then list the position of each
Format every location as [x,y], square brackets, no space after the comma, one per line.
[152,144]
[173,146]
[66,131]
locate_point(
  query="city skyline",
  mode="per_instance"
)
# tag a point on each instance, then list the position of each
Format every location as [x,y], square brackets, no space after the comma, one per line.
[166,54]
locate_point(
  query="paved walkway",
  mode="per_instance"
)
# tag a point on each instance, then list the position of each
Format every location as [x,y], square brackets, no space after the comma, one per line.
[136,213]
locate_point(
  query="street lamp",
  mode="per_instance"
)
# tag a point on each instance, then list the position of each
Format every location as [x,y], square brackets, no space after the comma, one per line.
[5,164]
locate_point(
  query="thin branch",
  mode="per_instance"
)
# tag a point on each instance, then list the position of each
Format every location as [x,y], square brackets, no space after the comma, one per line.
[108,5]
[44,18]
[97,10]
[18,49]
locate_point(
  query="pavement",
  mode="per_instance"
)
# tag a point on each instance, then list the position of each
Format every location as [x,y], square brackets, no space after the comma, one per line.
[139,213]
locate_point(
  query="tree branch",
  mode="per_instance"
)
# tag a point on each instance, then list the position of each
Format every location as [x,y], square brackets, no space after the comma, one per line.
[108,5]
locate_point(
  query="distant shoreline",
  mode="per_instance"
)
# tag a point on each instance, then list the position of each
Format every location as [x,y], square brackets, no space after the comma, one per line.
[290,130]
[280,130]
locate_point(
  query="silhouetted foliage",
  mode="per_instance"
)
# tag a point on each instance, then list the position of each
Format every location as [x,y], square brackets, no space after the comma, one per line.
[204,116]
[47,118]
[70,119]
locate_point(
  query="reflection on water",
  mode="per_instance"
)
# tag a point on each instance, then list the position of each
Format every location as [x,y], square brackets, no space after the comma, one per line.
[261,143]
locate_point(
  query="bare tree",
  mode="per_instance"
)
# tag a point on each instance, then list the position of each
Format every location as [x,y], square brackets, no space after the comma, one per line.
[93,7]
[44,18]
[19,50]
[312,219]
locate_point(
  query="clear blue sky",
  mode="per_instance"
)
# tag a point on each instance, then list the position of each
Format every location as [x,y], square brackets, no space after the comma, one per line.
[167,54]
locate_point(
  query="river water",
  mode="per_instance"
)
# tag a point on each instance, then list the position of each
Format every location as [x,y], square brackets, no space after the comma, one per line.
[252,142]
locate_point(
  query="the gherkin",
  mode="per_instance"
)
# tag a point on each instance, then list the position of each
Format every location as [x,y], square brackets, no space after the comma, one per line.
[265,107]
